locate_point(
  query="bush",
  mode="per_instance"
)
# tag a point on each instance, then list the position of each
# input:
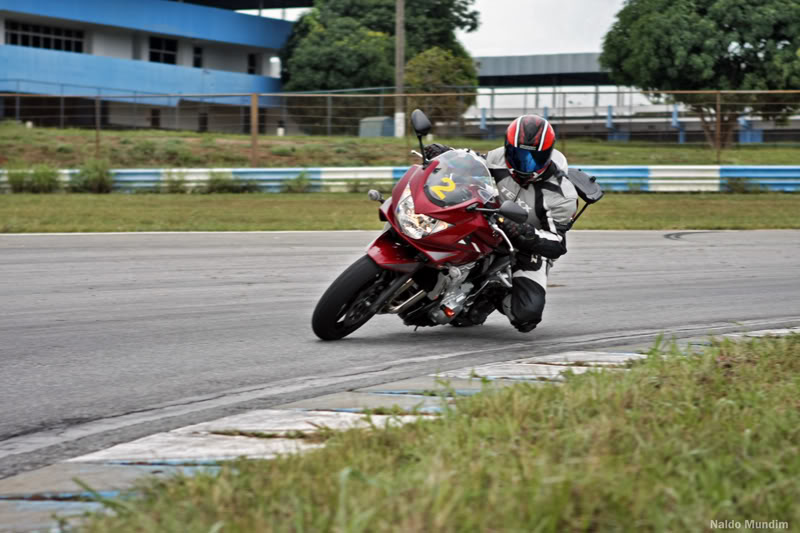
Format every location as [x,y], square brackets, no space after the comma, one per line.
[222,182]
[39,179]
[175,183]
[44,179]
[742,186]
[282,150]
[94,176]
[17,178]
[300,183]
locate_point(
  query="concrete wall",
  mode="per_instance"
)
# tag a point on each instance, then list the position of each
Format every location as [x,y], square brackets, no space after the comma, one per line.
[110,42]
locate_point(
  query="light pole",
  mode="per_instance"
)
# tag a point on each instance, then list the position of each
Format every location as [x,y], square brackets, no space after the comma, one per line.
[399,67]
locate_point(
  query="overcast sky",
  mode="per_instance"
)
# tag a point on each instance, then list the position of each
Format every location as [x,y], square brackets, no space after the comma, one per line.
[526,27]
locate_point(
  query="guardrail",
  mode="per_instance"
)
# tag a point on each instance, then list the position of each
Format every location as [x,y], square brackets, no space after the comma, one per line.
[351,179]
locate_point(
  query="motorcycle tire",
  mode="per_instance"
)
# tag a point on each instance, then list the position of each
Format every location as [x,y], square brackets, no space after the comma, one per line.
[345,305]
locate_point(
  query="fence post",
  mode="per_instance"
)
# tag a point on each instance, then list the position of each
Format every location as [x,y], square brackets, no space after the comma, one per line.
[253,128]
[97,127]
[329,102]
[61,112]
[719,127]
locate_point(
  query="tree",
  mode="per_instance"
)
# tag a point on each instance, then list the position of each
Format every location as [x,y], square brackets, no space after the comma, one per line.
[341,54]
[694,45]
[436,70]
[429,23]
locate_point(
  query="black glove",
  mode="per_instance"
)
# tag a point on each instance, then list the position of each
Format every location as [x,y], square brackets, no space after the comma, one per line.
[521,235]
[524,237]
[433,150]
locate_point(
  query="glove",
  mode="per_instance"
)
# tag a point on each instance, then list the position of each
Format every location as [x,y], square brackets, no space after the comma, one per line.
[524,237]
[433,150]
[521,235]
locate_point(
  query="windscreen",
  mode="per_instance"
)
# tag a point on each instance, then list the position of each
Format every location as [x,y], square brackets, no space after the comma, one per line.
[460,176]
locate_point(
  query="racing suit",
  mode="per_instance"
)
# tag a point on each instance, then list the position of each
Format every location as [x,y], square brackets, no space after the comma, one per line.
[551,204]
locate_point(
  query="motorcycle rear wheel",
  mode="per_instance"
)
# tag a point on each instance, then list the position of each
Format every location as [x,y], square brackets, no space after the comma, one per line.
[345,306]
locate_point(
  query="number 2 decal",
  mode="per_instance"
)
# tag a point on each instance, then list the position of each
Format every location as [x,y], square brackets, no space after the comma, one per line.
[441,189]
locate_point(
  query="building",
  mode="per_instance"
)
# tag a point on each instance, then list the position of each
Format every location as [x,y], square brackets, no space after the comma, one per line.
[100,60]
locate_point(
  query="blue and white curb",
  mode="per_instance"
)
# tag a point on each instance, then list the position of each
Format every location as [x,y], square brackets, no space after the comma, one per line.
[626,178]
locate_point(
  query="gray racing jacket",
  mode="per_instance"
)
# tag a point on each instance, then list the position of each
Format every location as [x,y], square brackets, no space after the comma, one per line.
[550,204]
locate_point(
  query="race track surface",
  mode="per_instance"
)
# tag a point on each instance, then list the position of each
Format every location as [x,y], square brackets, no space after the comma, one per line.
[105,338]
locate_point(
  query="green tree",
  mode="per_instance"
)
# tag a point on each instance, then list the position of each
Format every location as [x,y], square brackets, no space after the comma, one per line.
[429,23]
[694,45]
[433,71]
[341,54]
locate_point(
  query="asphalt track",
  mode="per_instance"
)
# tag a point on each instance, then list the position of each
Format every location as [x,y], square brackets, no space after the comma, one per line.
[106,338]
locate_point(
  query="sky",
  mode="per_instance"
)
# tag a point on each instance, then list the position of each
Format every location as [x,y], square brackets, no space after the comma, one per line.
[527,27]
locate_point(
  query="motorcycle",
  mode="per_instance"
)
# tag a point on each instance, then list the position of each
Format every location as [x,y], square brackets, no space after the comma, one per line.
[442,257]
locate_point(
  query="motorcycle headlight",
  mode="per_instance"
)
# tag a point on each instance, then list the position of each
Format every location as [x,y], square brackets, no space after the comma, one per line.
[414,225]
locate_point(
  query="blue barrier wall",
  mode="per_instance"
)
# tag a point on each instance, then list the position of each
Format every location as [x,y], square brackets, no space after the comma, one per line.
[773,178]
[70,74]
[623,178]
[163,17]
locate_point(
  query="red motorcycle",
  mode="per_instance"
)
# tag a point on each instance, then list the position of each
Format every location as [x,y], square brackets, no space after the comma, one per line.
[442,257]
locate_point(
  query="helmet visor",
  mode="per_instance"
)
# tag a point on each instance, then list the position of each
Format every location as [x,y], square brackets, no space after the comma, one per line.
[526,161]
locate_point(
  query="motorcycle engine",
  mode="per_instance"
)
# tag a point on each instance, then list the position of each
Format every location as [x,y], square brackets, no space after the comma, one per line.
[454,294]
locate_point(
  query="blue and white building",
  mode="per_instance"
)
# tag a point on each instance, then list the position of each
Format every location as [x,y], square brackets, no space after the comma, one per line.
[118,52]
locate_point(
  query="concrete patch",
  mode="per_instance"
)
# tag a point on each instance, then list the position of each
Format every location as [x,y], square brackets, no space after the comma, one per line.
[428,384]
[38,516]
[359,401]
[585,357]
[199,443]
[197,446]
[544,368]
[59,478]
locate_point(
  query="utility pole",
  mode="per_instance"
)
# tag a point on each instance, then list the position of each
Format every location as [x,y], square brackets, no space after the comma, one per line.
[399,68]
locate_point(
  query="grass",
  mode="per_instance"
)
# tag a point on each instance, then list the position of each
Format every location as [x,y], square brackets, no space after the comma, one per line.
[676,442]
[70,148]
[30,213]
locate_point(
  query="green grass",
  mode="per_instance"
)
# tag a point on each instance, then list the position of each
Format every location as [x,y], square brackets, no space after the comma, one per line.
[70,148]
[677,441]
[30,213]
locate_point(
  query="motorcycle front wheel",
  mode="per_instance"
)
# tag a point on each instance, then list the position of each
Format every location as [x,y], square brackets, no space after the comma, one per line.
[345,306]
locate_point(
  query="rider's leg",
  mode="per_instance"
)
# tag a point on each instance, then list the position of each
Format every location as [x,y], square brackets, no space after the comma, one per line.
[525,305]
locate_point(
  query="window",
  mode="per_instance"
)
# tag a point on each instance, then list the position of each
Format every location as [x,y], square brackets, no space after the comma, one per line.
[155,118]
[163,50]
[198,57]
[251,63]
[39,36]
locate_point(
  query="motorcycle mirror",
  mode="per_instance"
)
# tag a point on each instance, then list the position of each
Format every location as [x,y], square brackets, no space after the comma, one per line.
[420,122]
[514,212]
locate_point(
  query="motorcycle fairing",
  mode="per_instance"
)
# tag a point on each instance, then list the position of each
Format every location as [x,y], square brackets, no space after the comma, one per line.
[388,253]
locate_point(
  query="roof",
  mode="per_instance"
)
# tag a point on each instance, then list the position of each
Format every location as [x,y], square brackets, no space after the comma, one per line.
[546,69]
[252,4]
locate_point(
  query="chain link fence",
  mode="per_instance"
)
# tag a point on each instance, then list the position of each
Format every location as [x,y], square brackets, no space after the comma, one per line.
[716,119]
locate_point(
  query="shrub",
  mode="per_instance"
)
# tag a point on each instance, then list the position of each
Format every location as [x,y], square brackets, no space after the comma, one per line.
[224,182]
[94,176]
[175,183]
[17,179]
[177,153]
[741,186]
[43,179]
[39,179]
[282,150]
[300,183]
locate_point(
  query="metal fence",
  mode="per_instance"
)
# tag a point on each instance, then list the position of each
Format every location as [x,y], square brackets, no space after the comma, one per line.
[716,119]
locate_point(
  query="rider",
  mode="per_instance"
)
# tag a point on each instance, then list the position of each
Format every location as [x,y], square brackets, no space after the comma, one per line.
[530,171]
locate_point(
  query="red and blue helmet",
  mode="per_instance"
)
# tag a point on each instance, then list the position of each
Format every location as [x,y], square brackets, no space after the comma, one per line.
[529,146]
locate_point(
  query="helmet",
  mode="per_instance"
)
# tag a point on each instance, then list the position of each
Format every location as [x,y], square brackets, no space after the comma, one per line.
[529,144]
